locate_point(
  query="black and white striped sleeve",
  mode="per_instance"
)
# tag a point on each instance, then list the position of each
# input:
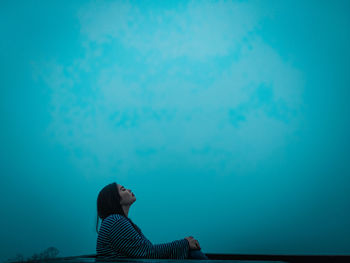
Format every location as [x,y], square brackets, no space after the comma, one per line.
[127,241]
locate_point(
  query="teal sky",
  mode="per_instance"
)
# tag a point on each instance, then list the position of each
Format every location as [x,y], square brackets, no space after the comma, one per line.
[229,120]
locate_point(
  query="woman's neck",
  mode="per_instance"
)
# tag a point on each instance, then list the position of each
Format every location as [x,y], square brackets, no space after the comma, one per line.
[126,210]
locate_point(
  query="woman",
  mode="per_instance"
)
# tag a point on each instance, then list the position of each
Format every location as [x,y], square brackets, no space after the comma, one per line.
[119,237]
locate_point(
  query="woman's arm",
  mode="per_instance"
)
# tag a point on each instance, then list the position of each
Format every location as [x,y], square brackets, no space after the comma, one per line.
[179,249]
[127,241]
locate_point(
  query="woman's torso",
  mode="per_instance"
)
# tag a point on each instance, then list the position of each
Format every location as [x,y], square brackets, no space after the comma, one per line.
[104,247]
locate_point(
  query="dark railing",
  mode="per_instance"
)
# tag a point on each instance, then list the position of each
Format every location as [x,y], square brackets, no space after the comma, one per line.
[50,255]
[262,257]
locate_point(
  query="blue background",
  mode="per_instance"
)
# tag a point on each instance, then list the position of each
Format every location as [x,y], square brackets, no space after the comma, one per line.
[229,120]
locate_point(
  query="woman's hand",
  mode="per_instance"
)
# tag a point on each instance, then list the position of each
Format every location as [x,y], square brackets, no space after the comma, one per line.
[194,244]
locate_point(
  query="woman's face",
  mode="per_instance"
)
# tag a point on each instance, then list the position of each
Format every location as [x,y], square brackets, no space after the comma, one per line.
[127,197]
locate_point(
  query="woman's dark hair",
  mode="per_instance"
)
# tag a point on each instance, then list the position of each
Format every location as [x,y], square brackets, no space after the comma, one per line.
[108,203]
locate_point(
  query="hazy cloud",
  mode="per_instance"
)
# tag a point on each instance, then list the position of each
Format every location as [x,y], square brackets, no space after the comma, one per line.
[202,79]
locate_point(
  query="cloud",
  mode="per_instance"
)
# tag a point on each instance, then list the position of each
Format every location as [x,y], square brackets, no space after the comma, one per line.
[205,88]
[199,30]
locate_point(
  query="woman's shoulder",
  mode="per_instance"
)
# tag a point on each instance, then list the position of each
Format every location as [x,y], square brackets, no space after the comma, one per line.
[114,218]
[117,221]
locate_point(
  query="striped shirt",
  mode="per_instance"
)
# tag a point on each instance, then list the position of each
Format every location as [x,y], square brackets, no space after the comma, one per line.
[117,238]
